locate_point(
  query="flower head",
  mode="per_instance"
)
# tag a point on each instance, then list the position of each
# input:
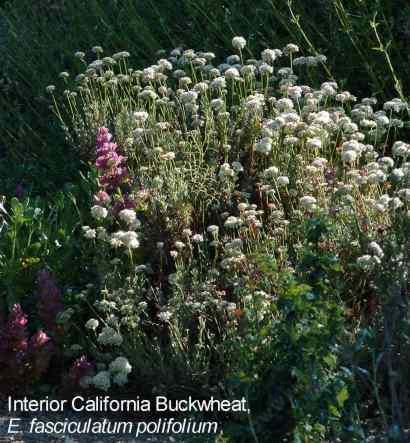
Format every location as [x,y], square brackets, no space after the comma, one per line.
[238,42]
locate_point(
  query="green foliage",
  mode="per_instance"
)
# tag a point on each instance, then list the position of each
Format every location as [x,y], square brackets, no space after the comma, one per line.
[37,233]
[289,366]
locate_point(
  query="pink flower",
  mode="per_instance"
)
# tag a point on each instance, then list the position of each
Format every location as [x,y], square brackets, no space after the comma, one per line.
[80,368]
[41,348]
[22,361]
[13,350]
[109,161]
[103,136]
[102,197]
[38,340]
[14,336]
[114,179]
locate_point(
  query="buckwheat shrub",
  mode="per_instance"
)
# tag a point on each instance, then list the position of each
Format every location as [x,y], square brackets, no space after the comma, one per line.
[213,167]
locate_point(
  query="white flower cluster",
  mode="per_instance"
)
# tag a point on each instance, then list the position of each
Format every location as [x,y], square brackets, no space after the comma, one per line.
[368,262]
[89,233]
[129,217]
[128,239]
[92,324]
[120,368]
[101,381]
[226,172]
[238,42]
[165,316]
[233,255]
[308,202]
[264,146]
[118,372]
[99,212]
[109,337]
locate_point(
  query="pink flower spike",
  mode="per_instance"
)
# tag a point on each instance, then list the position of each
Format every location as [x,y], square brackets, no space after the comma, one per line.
[39,339]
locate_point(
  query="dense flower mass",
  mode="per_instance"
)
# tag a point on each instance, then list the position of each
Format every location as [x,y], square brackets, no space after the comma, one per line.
[299,149]
[252,212]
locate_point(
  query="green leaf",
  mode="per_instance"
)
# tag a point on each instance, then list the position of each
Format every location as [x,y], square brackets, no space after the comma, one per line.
[330,360]
[16,204]
[35,247]
[342,396]
[334,411]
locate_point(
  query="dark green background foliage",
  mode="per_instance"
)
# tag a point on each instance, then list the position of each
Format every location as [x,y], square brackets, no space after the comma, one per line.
[38,40]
